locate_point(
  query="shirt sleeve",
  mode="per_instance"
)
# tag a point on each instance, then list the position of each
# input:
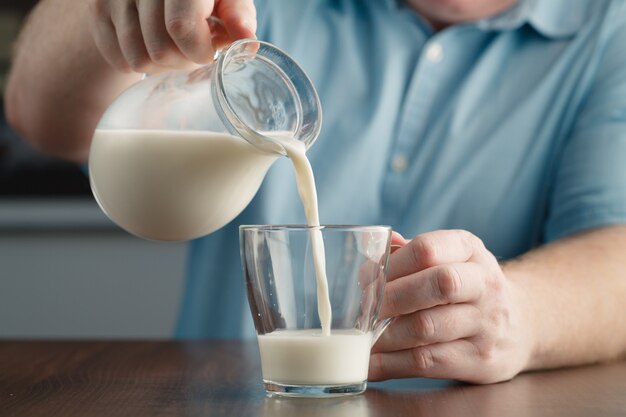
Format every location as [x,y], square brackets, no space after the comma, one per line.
[590,185]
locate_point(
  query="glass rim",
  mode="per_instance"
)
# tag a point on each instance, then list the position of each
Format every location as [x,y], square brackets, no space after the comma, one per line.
[263,142]
[304,227]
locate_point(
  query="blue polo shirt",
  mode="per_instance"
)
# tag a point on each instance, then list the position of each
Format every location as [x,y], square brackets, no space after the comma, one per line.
[513,128]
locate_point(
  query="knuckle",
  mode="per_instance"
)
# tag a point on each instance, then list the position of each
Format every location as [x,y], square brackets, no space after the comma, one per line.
[493,367]
[494,284]
[133,49]
[466,235]
[424,251]
[422,358]
[138,62]
[448,282]
[393,296]
[159,54]
[487,353]
[478,242]
[472,242]
[180,28]
[498,317]
[424,325]
[99,9]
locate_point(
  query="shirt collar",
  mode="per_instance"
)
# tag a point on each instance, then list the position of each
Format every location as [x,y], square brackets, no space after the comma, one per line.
[551,18]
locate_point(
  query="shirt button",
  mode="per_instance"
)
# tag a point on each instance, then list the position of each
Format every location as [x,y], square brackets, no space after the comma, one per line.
[399,163]
[434,53]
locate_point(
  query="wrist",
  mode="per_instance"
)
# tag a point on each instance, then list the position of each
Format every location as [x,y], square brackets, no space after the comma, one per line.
[525,318]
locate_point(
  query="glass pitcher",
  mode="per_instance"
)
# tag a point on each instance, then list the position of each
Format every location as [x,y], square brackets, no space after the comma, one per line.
[178,155]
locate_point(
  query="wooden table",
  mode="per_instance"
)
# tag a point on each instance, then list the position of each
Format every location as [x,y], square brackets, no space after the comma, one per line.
[209,378]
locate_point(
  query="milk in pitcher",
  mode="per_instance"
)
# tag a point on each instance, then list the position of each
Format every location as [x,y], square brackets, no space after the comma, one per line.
[174,185]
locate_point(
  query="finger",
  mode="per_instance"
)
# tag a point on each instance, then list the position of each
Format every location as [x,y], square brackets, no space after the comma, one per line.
[443,284]
[433,325]
[433,248]
[397,241]
[219,36]
[129,37]
[104,36]
[160,47]
[186,24]
[451,360]
[239,17]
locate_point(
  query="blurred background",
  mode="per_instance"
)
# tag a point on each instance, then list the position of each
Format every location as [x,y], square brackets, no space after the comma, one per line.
[65,270]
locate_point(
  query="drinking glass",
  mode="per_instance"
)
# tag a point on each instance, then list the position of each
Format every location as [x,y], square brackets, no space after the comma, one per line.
[296,359]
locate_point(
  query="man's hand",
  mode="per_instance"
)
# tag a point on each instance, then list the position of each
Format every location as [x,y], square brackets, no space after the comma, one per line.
[456,314]
[150,35]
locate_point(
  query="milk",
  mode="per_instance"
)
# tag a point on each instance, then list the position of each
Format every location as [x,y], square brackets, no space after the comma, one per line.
[174,185]
[305,357]
[308,194]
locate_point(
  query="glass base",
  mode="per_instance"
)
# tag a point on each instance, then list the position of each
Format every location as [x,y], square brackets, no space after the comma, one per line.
[325,391]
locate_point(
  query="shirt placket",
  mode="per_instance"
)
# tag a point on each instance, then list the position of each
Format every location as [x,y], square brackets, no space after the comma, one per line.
[413,123]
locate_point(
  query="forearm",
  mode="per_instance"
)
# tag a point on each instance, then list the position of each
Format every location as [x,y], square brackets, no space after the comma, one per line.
[573,296]
[59,85]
